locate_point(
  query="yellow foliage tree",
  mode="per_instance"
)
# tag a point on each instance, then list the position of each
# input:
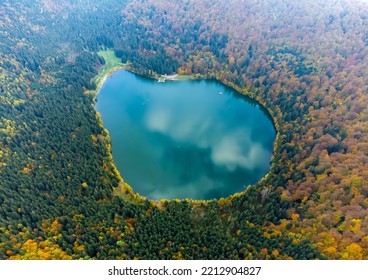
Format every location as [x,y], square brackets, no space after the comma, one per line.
[352,252]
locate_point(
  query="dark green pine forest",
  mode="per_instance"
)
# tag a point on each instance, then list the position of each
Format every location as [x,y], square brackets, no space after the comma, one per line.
[305,61]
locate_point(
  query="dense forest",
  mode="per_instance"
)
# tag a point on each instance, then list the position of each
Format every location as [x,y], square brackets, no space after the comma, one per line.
[304,61]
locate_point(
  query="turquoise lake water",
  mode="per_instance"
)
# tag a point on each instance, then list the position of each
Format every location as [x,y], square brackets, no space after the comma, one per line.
[179,139]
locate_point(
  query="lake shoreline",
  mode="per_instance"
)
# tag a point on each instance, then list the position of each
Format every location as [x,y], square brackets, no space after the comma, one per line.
[109,69]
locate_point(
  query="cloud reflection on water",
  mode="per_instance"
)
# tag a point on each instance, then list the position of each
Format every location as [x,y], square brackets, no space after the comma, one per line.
[232,148]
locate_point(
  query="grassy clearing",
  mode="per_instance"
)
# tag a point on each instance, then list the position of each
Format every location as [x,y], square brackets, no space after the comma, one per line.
[112,63]
[110,58]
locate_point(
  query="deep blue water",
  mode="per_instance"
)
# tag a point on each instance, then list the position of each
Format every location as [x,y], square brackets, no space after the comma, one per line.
[183,139]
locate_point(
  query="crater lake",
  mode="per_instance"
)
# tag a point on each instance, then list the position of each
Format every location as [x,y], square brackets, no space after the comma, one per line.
[195,139]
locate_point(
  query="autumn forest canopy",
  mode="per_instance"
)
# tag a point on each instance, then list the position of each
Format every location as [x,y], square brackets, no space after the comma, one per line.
[306,62]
